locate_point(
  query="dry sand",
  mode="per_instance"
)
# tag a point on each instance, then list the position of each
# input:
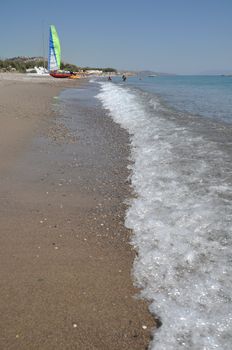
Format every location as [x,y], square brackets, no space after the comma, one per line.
[65,258]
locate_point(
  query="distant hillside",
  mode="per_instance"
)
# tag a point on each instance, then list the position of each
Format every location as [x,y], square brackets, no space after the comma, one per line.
[146,73]
[25,59]
[22,63]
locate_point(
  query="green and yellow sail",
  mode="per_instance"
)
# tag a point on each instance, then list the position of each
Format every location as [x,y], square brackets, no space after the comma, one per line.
[54,57]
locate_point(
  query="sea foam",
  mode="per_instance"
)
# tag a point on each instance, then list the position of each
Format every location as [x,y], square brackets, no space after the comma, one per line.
[181,222]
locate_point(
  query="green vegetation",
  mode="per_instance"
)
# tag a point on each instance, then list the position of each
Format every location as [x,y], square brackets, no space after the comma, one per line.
[110,70]
[8,65]
[69,67]
[20,64]
[105,70]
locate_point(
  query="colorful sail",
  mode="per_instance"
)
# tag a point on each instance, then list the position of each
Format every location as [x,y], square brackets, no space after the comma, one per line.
[54,50]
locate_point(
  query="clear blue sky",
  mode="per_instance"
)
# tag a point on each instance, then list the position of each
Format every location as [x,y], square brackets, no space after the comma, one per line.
[176,36]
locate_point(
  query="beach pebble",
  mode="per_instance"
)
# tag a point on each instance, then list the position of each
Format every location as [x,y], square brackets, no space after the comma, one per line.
[144,327]
[74,325]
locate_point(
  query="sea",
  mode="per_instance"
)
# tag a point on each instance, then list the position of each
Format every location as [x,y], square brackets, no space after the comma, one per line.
[180,131]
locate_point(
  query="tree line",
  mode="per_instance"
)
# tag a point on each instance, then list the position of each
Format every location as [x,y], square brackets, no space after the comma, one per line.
[21,65]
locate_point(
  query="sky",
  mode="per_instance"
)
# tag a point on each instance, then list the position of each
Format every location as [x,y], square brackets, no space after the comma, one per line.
[172,36]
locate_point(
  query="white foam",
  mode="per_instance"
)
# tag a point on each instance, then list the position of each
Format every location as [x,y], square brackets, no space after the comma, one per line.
[181,221]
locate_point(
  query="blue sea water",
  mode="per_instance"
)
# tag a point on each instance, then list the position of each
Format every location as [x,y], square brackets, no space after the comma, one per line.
[181,150]
[208,96]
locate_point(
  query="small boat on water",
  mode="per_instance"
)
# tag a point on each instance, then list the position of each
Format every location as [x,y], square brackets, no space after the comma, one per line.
[54,56]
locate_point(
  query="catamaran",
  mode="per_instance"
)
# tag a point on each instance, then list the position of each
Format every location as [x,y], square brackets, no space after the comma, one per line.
[54,56]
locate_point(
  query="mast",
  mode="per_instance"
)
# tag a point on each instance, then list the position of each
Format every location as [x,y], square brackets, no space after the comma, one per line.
[43,48]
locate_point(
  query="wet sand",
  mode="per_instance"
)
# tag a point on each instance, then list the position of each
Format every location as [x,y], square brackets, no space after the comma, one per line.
[65,255]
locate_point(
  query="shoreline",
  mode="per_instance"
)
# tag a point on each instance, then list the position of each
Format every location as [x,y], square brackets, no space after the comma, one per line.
[65,253]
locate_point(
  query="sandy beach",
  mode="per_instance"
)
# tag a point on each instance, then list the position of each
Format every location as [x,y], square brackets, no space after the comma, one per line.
[65,255]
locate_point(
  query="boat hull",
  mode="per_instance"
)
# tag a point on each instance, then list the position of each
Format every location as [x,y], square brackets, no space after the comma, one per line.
[61,75]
